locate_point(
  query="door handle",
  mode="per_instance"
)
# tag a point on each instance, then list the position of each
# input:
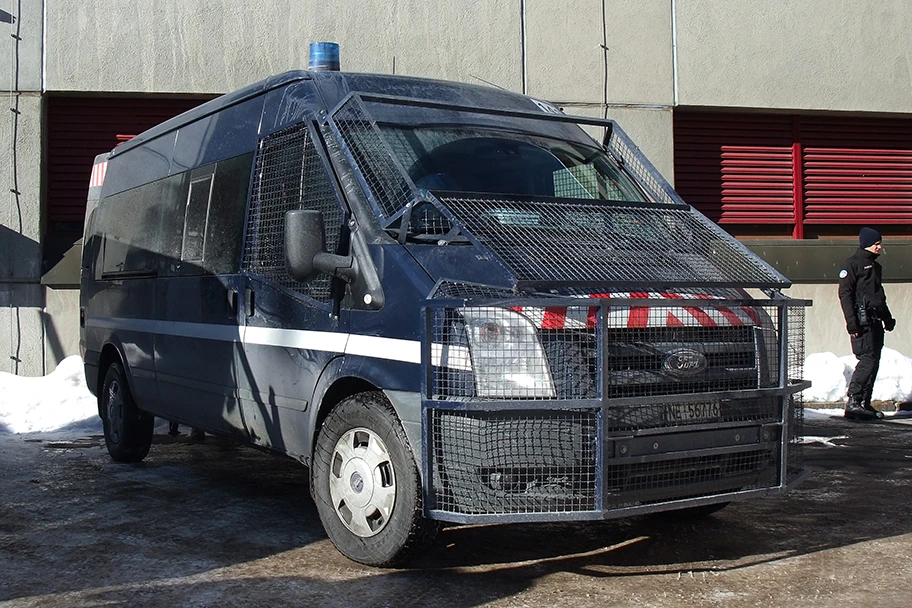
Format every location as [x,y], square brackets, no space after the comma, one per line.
[232,302]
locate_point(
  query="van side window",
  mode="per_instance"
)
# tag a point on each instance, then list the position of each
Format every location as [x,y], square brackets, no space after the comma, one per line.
[227,214]
[195,219]
[137,225]
[289,174]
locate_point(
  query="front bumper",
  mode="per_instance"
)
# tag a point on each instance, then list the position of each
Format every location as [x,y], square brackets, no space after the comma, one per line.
[485,463]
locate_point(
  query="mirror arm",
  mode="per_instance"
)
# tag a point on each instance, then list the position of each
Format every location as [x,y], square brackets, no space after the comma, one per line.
[339,266]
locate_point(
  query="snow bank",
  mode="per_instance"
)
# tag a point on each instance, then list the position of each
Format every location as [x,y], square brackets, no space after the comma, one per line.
[830,377]
[54,402]
[827,374]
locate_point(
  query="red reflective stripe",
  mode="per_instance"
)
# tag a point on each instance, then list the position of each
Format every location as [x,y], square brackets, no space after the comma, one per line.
[98,174]
[555,317]
[673,321]
[726,312]
[639,315]
[704,319]
[752,314]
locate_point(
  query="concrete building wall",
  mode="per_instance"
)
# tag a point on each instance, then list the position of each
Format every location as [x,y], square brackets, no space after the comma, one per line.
[21,58]
[21,297]
[802,54]
[825,326]
[215,46]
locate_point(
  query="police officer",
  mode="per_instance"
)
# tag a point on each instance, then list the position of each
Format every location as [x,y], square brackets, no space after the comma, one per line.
[864,305]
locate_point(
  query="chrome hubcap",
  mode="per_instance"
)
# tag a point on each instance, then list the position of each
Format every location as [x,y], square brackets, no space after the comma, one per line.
[362,483]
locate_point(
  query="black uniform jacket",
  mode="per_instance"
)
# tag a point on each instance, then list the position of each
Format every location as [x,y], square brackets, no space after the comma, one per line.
[860,286]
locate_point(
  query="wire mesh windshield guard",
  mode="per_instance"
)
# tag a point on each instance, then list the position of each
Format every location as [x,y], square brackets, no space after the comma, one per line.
[382,176]
[610,405]
[572,242]
[554,241]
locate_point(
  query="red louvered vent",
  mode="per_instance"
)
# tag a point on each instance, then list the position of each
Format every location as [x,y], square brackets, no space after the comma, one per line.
[831,172]
[78,129]
[857,171]
[81,127]
[735,168]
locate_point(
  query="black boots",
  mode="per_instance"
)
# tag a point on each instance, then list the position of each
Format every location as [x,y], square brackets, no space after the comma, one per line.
[855,410]
[877,413]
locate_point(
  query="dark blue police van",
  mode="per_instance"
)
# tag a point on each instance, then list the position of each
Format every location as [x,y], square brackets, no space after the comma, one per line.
[449,301]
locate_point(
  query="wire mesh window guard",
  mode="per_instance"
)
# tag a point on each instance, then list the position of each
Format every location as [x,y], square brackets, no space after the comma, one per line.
[289,174]
[386,185]
[579,241]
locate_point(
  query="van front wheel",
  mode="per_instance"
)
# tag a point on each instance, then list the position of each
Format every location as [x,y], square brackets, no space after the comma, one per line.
[366,485]
[127,429]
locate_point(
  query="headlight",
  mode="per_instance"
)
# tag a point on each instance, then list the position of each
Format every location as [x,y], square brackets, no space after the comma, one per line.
[507,356]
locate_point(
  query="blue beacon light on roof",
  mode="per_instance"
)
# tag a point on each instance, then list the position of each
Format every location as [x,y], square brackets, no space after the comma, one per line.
[323,56]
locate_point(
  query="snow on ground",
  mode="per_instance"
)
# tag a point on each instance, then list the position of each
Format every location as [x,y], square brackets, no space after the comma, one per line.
[830,375]
[56,402]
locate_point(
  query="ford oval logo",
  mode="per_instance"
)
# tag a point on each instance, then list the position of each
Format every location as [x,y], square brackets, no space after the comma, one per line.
[684,362]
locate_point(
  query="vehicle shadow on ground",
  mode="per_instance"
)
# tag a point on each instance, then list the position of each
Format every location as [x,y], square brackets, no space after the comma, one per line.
[218,511]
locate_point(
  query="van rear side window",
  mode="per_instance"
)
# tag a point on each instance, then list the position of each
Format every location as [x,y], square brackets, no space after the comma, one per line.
[196,219]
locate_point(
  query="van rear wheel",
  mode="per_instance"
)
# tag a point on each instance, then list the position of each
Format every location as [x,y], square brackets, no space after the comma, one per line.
[366,485]
[127,429]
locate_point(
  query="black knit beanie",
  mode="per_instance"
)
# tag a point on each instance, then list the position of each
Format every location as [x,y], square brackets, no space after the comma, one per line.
[867,237]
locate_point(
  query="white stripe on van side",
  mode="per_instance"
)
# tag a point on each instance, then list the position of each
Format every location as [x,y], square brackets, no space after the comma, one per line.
[295,338]
[407,351]
[384,348]
[453,357]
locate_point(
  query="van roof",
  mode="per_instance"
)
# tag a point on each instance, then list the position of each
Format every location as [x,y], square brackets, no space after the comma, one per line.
[211,107]
[334,86]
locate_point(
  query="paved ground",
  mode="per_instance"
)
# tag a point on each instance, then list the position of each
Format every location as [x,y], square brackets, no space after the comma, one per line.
[213,524]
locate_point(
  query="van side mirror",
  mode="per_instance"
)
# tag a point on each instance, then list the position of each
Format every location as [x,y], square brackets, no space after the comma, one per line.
[305,248]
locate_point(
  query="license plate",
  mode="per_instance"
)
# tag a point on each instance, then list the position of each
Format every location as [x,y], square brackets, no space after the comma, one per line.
[693,412]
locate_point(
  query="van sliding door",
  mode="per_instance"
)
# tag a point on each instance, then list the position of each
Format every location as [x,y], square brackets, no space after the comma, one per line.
[196,349]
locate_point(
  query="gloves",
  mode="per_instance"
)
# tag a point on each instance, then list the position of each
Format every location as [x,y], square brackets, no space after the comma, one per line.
[852,327]
[889,324]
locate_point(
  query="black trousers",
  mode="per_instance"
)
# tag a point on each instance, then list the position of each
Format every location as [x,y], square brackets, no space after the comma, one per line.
[867,349]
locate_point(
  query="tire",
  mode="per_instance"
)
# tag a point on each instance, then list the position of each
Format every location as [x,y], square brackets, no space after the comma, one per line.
[366,486]
[127,429]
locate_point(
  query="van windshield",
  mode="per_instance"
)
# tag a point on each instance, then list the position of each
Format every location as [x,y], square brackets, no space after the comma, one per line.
[499,161]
